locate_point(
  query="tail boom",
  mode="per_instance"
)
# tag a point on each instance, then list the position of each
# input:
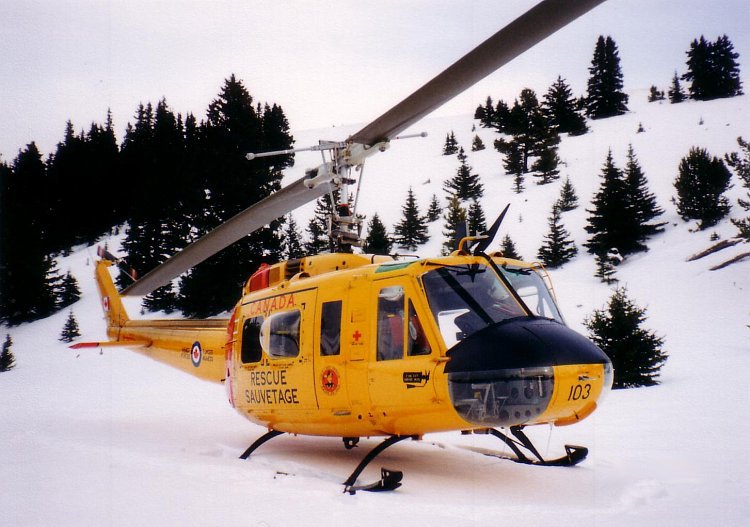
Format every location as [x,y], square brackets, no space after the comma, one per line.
[193,346]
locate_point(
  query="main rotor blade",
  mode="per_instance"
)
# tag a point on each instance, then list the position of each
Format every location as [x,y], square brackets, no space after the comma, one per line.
[524,32]
[247,221]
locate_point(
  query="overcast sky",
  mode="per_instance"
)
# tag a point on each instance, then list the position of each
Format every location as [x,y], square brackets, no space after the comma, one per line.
[326,63]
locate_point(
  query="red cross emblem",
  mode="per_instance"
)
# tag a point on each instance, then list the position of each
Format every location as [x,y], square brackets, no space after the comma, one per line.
[357,335]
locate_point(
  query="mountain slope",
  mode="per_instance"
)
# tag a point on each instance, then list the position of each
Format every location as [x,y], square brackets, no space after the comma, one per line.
[116,439]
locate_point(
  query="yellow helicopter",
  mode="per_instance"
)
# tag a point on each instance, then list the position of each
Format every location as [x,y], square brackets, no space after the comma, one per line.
[356,345]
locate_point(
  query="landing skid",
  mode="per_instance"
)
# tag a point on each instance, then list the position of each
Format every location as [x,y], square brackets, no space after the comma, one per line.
[389,479]
[573,454]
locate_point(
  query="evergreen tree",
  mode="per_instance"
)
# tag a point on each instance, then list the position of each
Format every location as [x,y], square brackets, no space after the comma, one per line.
[477,223]
[713,70]
[675,92]
[464,184]
[477,144]
[28,277]
[700,186]
[740,163]
[411,231]
[508,248]
[317,241]
[605,96]
[234,126]
[612,222]
[605,268]
[530,130]
[455,222]
[641,200]
[486,113]
[70,329]
[568,199]
[513,164]
[451,145]
[560,109]
[655,94]
[545,166]
[291,245]
[7,360]
[69,292]
[557,248]
[636,353]
[377,240]
[434,210]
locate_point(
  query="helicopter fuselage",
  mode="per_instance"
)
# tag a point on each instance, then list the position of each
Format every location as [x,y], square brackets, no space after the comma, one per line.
[357,345]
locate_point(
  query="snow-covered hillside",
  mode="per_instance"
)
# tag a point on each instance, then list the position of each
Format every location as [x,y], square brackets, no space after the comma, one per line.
[113,438]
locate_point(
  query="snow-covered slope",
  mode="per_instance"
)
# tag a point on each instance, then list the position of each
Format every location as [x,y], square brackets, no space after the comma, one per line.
[113,438]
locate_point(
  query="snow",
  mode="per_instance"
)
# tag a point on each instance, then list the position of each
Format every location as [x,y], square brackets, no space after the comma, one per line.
[113,438]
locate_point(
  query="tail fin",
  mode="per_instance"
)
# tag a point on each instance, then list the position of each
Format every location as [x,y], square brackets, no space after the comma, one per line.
[114,311]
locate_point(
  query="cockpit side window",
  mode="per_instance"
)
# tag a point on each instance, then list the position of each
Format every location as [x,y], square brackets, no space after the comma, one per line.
[418,344]
[391,323]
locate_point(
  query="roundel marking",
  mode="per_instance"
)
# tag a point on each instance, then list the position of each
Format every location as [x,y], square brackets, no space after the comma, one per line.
[196,354]
[329,380]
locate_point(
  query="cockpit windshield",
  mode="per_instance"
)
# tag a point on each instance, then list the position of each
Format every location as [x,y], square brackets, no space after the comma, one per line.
[467,298]
[533,291]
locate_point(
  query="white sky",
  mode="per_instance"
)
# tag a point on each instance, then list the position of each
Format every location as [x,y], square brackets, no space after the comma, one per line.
[326,63]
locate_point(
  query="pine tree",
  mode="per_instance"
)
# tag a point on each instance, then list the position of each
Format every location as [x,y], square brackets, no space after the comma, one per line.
[69,292]
[291,246]
[568,199]
[317,241]
[508,248]
[557,248]
[530,129]
[513,163]
[700,186]
[477,144]
[605,268]
[641,200]
[636,353]
[451,145]
[740,163]
[486,113]
[560,109]
[377,240]
[605,96]
[713,70]
[70,329]
[675,92]
[28,277]
[234,125]
[464,184]
[7,360]
[455,222]
[612,221]
[545,166]
[655,94]
[411,231]
[434,210]
[477,223]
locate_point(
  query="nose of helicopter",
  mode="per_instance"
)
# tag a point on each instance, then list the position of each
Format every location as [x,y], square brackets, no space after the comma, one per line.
[527,371]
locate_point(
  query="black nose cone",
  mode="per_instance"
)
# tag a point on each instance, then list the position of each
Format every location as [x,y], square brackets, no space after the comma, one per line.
[523,343]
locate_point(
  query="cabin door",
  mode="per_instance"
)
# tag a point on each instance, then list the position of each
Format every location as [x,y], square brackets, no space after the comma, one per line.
[329,354]
[402,367]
